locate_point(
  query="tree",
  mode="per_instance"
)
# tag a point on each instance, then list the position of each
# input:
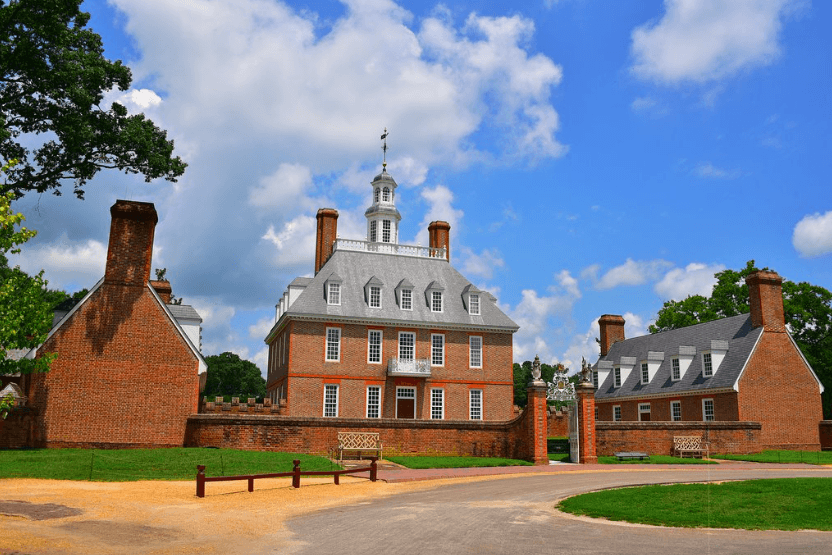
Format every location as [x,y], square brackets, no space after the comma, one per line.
[523,375]
[228,374]
[53,77]
[25,315]
[807,309]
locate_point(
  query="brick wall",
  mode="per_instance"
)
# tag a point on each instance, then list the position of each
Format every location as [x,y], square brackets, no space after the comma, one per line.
[656,438]
[123,377]
[258,432]
[826,435]
[17,430]
[558,425]
[725,408]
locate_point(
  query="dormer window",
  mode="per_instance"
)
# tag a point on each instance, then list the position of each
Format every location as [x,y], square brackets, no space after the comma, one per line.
[616,376]
[372,291]
[675,369]
[332,290]
[707,365]
[435,297]
[645,373]
[385,196]
[471,296]
[404,292]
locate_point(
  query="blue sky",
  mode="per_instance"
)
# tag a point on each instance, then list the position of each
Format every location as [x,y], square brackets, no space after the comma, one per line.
[592,157]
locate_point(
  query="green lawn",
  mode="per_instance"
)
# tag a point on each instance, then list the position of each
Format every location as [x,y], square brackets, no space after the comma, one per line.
[125,465]
[454,462]
[809,457]
[655,459]
[779,504]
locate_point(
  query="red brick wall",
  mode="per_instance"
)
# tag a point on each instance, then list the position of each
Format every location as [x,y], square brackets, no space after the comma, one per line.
[558,425]
[17,429]
[308,372]
[656,438]
[779,391]
[256,432]
[123,376]
[826,435]
[585,405]
[725,408]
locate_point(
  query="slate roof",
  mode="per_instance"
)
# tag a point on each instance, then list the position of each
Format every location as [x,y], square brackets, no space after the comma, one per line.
[355,269]
[736,330]
[185,311]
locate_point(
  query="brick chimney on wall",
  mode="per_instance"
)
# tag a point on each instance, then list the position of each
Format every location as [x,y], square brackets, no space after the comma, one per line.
[439,234]
[612,330]
[325,236]
[131,243]
[163,289]
[765,296]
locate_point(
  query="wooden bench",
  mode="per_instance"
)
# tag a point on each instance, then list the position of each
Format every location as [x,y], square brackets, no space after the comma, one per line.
[631,455]
[358,441]
[690,445]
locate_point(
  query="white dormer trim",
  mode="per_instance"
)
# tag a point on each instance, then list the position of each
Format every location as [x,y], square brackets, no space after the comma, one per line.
[604,369]
[435,287]
[329,293]
[718,350]
[686,355]
[371,283]
[626,364]
[404,285]
[472,300]
[654,360]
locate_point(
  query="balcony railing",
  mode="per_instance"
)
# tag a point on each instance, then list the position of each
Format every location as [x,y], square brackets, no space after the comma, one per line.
[389,248]
[419,367]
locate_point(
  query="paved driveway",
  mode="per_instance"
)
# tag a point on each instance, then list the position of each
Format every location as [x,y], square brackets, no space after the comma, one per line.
[515,515]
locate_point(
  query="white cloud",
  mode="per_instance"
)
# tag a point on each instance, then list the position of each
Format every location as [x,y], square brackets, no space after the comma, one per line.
[261,360]
[482,264]
[261,328]
[813,235]
[288,184]
[632,272]
[708,40]
[440,208]
[694,279]
[708,170]
[295,242]
[582,346]
[69,264]
[634,325]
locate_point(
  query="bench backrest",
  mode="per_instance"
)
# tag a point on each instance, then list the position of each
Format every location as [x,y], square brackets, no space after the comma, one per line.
[687,442]
[358,440]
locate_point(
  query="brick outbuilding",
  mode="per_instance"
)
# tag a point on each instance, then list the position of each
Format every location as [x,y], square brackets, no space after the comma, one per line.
[745,368]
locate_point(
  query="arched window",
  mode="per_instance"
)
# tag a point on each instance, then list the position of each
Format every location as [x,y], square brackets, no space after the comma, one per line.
[375,196]
[386,196]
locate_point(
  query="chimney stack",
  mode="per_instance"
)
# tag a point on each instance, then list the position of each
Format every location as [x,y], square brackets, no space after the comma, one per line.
[765,297]
[326,235]
[163,289]
[612,331]
[131,243]
[440,236]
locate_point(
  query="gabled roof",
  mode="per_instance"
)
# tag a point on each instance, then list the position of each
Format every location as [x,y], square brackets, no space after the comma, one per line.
[356,268]
[184,311]
[741,339]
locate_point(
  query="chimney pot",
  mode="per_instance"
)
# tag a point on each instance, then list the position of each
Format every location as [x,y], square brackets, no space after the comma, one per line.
[325,236]
[131,242]
[765,298]
[439,233]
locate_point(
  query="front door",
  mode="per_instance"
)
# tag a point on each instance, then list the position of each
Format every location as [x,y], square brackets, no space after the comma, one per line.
[406,402]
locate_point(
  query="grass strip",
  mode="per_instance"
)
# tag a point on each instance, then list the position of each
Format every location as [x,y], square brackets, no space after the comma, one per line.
[126,465]
[782,457]
[778,504]
[655,459]
[454,462]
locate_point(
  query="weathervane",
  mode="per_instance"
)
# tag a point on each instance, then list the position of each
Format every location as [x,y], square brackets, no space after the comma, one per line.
[384,148]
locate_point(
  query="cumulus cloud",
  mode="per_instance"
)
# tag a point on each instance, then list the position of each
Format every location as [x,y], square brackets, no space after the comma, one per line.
[693,279]
[482,264]
[632,272]
[295,242]
[708,40]
[70,265]
[288,184]
[813,235]
[440,208]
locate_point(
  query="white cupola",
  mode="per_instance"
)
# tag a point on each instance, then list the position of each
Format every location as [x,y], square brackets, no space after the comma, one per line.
[382,216]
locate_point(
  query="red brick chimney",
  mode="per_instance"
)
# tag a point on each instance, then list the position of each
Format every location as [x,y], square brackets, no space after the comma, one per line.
[612,330]
[326,235]
[440,236]
[131,243]
[163,289]
[765,296]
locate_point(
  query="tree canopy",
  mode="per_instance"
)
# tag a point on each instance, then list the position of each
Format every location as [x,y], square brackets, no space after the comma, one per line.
[228,374]
[53,77]
[807,309]
[523,375]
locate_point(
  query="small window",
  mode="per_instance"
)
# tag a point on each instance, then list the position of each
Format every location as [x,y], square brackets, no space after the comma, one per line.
[333,344]
[645,373]
[675,372]
[708,410]
[407,299]
[373,231]
[475,404]
[596,412]
[437,349]
[475,351]
[375,194]
[330,400]
[616,376]
[385,196]
[595,379]
[474,304]
[375,296]
[436,301]
[707,365]
[676,411]
[407,342]
[437,404]
[385,231]
[374,346]
[373,401]
[644,412]
[616,413]
[334,295]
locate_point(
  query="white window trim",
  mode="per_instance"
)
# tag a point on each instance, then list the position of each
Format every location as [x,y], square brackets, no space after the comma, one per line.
[380,346]
[678,366]
[644,368]
[641,410]
[433,295]
[471,404]
[616,377]
[401,297]
[614,419]
[442,363]
[370,296]
[329,295]
[399,388]
[442,407]
[326,346]
[711,358]
[399,352]
[472,304]
[367,412]
[386,229]
[672,419]
[704,413]
[337,395]
[471,339]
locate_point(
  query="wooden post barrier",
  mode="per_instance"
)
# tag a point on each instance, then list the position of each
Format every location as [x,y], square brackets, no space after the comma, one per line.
[200,480]
[296,474]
